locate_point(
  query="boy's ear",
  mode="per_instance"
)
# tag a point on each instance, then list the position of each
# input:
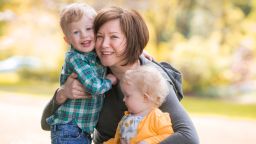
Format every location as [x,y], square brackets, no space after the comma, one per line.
[66,39]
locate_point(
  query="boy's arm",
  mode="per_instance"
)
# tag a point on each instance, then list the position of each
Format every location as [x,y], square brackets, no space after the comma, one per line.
[88,77]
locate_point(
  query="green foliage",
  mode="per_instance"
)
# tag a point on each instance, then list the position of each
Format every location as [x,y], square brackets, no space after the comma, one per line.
[213,36]
[2,23]
[203,67]
[201,38]
[5,54]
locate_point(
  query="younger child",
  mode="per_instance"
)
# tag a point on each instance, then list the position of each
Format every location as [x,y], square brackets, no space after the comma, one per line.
[144,91]
[75,120]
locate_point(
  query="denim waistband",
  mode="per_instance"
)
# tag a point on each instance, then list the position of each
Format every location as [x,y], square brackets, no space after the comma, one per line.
[59,127]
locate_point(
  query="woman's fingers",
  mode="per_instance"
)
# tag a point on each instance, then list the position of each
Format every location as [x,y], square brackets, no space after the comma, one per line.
[74,89]
[78,86]
[79,91]
[78,94]
[81,95]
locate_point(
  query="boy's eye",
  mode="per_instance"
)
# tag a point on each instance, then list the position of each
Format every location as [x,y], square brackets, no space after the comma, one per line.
[76,32]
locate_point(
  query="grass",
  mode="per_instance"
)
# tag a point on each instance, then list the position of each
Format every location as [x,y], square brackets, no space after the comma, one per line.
[36,88]
[205,106]
[12,82]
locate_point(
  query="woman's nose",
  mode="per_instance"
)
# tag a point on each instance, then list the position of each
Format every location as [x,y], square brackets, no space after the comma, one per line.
[105,42]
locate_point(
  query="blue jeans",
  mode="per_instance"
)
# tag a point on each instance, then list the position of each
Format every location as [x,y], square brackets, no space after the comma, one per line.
[69,133]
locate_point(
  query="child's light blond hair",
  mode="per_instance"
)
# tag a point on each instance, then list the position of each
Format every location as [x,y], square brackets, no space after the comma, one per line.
[148,80]
[73,13]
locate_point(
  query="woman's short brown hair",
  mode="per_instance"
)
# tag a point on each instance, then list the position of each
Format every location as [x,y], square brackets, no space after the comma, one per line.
[132,25]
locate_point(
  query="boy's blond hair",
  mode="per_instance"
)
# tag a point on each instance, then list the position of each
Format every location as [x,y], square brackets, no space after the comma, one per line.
[73,13]
[149,81]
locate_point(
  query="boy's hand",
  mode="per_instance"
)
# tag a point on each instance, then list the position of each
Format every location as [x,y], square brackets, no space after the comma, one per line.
[112,78]
[147,55]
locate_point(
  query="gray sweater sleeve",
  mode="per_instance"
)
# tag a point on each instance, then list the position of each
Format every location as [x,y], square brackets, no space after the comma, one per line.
[50,108]
[184,130]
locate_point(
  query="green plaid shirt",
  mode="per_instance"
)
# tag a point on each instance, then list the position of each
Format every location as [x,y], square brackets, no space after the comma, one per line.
[85,112]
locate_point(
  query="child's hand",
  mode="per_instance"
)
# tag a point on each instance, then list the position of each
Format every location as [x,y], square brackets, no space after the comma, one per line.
[112,78]
[147,55]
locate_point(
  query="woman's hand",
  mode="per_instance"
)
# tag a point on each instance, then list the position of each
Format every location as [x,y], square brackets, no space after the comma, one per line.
[72,89]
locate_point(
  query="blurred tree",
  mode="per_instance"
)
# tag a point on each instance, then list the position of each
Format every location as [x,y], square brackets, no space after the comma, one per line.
[203,38]
[2,16]
[244,5]
[160,17]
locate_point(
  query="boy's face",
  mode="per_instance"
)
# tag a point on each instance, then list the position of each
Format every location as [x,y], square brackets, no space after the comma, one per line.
[80,34]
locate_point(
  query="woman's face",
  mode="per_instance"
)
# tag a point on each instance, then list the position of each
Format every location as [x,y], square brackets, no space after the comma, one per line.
[110,43]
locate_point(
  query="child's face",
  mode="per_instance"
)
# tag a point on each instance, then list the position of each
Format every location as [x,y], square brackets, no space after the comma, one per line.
[81,35]
[134,99]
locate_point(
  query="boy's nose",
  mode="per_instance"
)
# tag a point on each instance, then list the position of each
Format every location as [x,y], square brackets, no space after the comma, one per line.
[83,34]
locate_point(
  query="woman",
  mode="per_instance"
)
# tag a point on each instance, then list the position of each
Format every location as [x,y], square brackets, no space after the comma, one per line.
[121,36]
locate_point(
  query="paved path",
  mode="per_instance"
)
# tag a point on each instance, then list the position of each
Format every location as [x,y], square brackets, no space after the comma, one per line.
[20,124]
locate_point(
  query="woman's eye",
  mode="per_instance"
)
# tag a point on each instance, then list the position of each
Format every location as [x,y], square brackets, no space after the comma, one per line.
[114,37]
[99,36]
[89,28]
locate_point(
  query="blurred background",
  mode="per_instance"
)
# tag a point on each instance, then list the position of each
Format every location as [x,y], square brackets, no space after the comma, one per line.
[212,42]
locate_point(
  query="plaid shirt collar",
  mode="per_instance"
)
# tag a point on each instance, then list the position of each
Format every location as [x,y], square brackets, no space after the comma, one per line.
[86,54]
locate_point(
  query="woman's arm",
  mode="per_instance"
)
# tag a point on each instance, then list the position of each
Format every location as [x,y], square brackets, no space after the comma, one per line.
[184,130]
[72,89]
[50,108]
[116,139]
